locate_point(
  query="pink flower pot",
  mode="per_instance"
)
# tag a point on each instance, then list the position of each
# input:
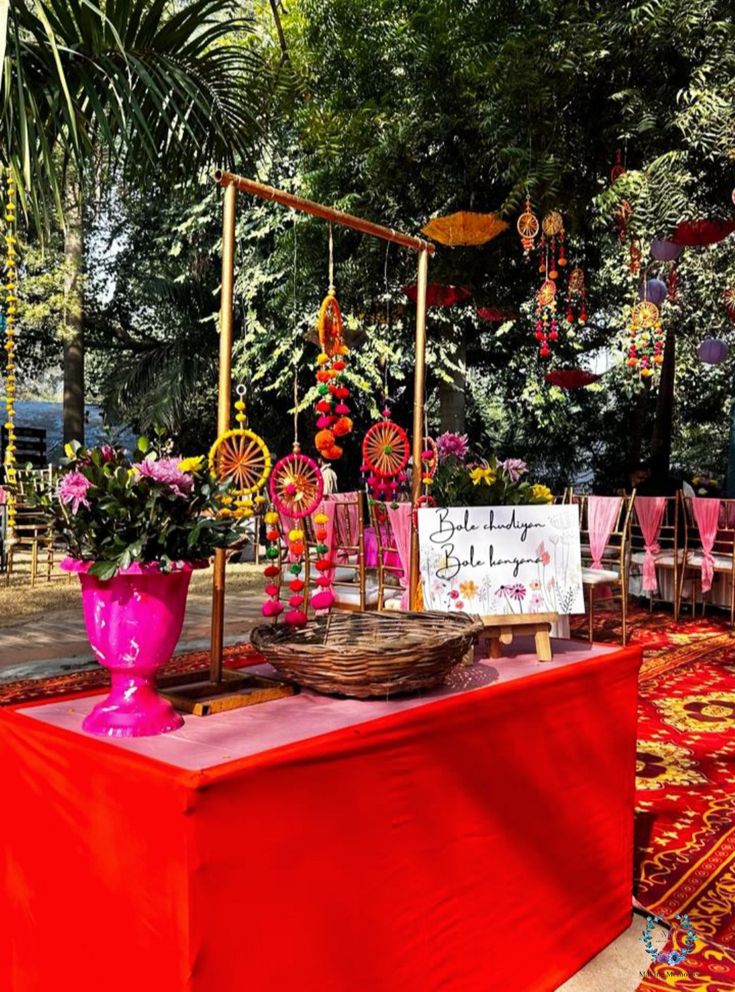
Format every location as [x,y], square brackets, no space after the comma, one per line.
[133,623]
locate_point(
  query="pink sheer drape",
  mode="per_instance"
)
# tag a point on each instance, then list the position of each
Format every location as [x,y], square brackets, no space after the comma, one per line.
[350,514]
[602,513]
[706,514]
[650,513]
[400,522]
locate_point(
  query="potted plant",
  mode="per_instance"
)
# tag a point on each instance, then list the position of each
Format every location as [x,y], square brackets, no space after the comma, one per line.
[134,529]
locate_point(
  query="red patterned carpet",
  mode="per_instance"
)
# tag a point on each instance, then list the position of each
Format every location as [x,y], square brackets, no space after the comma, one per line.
[685,804]
[685,816]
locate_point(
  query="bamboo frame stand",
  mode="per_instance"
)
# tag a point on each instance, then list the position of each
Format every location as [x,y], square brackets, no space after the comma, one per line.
[501,628]
[219,693]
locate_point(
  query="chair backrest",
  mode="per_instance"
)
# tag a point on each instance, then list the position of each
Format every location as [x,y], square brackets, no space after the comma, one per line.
[389,565]
[724,536]
[32,482]
[348,543]
[616,551]
[671,533]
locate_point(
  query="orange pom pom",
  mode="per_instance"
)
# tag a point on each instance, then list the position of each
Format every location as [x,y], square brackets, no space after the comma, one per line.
[322,376]
[342,426]
[324,440]
[297,548]
[333,453]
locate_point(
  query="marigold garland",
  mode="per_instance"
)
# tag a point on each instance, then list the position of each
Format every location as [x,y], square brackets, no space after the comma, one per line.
[10,319]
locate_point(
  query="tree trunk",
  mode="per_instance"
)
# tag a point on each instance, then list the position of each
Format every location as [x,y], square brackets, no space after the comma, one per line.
[73,332]
[452,395]
[664,424]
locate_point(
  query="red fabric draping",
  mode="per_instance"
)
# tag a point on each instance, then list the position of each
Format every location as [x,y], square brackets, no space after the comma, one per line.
[477,843]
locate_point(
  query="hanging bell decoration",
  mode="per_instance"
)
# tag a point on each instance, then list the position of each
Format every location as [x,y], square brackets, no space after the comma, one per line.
[646,339]
[547,325]
[576,297]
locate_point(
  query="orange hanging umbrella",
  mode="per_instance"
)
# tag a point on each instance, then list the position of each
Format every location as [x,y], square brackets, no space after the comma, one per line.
[464,228]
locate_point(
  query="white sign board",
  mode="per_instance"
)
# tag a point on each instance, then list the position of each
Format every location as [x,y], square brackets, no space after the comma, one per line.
[501,559]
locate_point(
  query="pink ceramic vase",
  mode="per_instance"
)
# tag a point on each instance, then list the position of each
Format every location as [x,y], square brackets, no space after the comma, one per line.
[133,623]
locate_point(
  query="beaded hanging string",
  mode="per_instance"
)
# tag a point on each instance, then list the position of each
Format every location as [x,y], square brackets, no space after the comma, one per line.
[9,319]
[333,420]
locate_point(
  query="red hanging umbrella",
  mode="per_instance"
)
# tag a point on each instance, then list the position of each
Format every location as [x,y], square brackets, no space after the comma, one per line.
[438,295]
[571,378]
[702,232]
[495,314]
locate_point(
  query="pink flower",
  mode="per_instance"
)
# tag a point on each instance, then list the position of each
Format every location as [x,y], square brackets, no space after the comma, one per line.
[73,489]
[453,445]
[166,470]
[107,452]
[514,468]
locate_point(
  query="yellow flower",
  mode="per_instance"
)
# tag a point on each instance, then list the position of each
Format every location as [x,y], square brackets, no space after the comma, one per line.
[542,493]
[482,474]
[191,464]
[468,589]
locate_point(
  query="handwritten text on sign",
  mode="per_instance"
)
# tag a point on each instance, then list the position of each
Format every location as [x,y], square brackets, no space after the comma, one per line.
[501,559]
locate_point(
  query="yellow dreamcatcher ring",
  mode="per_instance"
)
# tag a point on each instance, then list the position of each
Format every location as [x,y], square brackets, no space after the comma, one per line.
[242,456]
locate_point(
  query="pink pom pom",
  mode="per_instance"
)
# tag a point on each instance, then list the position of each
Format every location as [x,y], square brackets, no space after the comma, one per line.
[296,618]
[342,409]
[325,421]
[271,608]
[324,581]
[271,590]
[295,601]
[323,600]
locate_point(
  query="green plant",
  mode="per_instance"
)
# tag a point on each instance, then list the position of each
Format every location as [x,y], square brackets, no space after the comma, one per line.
[117,510]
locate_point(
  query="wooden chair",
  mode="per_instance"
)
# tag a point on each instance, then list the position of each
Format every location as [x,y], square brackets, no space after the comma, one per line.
[34,530]
[390,571]
[352,588]
[723,553]
[669,558]
[614,560]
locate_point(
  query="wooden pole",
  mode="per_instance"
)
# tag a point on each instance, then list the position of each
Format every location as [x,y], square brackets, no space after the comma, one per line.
[223,415]
[419,400]
[228,179]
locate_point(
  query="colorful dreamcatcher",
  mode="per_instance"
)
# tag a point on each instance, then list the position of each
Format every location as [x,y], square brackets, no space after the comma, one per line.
[646,339]
[576,297]
[242,457]
[333,421]
[551,246]
[528,228]
[385,454]
[547,325]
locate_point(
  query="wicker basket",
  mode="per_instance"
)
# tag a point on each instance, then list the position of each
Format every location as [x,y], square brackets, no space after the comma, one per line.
[369,654]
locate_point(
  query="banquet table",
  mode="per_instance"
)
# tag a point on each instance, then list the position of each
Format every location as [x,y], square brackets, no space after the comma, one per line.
[478,838]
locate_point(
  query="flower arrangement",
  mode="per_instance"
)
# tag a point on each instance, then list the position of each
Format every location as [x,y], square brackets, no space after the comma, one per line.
[115,510]
[486,482]
[705,485]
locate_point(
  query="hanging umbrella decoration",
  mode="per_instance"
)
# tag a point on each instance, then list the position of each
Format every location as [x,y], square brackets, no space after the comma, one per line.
[496,315]
[571,378]
[712,351]
[528,228]
[646,339]
[576,297]
[696,233]
[333,421]
[465,228]
[654,290]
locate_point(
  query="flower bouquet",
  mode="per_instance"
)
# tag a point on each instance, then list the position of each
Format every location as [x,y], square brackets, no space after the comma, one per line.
[134,528]
[705,485]
[463,481]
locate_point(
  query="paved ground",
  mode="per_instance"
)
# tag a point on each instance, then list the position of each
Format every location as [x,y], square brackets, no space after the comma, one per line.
[42,642]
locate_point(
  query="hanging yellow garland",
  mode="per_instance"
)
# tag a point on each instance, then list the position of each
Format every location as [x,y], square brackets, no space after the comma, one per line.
[10,315]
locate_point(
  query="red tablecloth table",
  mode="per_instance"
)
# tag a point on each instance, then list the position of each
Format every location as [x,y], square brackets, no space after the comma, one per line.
[477,840]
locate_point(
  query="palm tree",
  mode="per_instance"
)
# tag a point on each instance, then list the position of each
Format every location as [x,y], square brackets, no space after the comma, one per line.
[132,86]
